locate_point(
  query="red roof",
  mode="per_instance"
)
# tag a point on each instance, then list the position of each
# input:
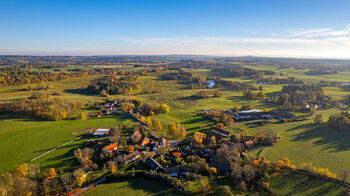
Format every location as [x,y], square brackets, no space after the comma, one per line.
[111,147]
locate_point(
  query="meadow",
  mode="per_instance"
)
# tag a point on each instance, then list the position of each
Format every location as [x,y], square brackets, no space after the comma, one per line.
[23,139]
[136,186]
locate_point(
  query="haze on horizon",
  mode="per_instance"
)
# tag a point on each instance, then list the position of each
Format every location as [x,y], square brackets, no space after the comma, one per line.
[292,28]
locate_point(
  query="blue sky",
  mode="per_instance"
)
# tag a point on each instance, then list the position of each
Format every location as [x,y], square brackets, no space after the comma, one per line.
[291,28]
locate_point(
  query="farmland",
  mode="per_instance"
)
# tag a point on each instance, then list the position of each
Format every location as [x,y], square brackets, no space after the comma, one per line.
[23,138]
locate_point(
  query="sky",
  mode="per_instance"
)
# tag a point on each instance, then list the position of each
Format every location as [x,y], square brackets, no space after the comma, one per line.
[276,28]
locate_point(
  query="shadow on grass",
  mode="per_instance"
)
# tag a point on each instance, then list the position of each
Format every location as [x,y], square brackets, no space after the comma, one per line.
[65,160]
[299,184]
[147,185]
[80,91]
[329,139]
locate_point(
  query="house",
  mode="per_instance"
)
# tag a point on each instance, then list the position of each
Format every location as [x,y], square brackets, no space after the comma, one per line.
[153,164]
[210,83]
[110,148]
[144,141]
[131,157]
[221,167]
[101,132]
[222,132]
[254,114]
[177,171]
[249,144]
[218,137]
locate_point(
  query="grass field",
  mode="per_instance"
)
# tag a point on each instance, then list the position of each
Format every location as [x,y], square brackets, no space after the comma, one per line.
[305,142]
[23,139]
[299,184]
[132,187]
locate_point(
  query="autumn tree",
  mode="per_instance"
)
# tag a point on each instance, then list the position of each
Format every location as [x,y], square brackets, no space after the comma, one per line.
[198,137]
[130,149]
[212,141]
[229,122]
[164,108]
[318,119]
[148,122]
[261,95]
[21,170]
[83,116]
[136,136]
[115,134]
[217,94]
[80,177]
[181,131]
[112,166]
[157,125]
[172,130]
[51,173]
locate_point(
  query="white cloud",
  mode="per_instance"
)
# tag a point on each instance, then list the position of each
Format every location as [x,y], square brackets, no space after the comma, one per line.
[322,32]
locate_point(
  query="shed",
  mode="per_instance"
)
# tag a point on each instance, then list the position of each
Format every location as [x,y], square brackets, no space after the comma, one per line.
[101,132]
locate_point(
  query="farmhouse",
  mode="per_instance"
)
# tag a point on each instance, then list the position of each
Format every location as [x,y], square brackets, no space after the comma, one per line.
[110,148]
[153,164]
[131,157]
[144,141]
[249,144]
[101,132]
[222,132]
[210,83]
[177,171]
[221,167]
[254,114]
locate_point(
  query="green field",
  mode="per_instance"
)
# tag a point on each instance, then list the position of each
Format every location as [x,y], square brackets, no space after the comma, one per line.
[299,184]
[136,186]
[23,139]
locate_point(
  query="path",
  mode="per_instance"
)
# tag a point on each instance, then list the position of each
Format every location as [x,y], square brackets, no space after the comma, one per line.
[54,149]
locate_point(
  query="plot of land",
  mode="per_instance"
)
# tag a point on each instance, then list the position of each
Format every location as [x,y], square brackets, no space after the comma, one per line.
[137,186]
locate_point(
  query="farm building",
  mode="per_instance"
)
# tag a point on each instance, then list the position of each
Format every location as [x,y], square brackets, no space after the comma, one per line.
[222,132]
[254,114]
[131,157]
[154,165]
[221,167]
[249,144]
[177,171]
[101,132]
[110,148]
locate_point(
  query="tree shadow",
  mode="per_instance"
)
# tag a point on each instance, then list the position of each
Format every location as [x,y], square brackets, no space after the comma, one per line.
[147,185]
[301,184]
[329,139]
[79,91]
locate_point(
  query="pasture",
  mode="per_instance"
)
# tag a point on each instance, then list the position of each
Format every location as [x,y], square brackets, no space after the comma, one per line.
[136,186]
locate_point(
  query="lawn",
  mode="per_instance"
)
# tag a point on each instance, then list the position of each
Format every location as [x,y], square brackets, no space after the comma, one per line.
[136,186]
[23,139]
[305,142]
[298,184]
[72,90]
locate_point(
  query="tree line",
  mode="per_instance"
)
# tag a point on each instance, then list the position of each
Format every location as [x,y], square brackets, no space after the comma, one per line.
[40,106]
